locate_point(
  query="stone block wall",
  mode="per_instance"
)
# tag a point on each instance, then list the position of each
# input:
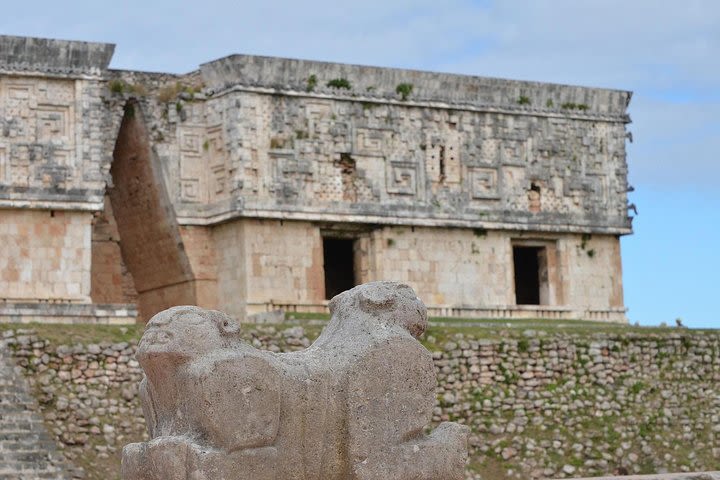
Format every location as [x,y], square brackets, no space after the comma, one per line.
[459,267]
[231,268]
[202,254]
[470,173]
[584,405]
[592,271]
[112,282]
[27,450]
[46,255]
[268,262]
[456,269]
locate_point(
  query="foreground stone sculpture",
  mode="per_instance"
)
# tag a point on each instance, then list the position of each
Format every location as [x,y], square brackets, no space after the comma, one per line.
[352,406]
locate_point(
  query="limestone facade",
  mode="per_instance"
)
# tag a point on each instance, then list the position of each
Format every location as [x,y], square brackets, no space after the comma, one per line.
[253,183]
[460,271]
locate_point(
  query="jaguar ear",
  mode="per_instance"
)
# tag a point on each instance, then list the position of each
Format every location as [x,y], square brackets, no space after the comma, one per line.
[378,296]
[227,324]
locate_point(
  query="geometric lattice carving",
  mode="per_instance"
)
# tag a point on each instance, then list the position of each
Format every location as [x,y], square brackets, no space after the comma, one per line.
[514,152]
[37,120]
[214,151]
[191,168]
[370,142]
[293,176]
[190,190]
[53,123]
[316,110]
[190,141]
[203,164]
[402,178]
[285,149]
[483,182]
[442,158]
[62,157]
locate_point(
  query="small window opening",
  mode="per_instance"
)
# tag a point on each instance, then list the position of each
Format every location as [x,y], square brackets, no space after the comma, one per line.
[347,167]
[339,264]
[534,199]
[530,275]
[441,164]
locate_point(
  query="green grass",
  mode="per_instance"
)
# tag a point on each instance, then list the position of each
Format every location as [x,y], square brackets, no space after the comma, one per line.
[306,316]
[443,329]
[64,334]
[440,331]
[71,334]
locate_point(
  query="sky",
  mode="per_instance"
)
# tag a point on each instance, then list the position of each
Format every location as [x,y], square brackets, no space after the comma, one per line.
[666,52]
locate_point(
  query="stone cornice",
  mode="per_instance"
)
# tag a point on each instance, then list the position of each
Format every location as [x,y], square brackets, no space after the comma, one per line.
[333,94]
[406,86]
[396,220]
[43,56]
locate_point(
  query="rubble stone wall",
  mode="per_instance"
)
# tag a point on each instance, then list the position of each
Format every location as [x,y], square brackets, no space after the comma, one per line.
[540,405]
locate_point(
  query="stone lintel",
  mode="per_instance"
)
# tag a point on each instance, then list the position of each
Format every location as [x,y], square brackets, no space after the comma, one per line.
[43,55]
[307,75]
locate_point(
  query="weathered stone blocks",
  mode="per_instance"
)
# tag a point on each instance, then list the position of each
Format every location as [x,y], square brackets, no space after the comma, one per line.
[352,405]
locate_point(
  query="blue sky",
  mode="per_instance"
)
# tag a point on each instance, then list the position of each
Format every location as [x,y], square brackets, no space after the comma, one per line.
[666,52]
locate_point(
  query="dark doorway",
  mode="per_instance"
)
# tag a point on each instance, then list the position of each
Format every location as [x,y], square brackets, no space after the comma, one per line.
[527,262]
[339,262]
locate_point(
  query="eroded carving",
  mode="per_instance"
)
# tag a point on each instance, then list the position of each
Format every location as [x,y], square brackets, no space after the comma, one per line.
[38,131]
[483,182]
[402,178]
[352,406]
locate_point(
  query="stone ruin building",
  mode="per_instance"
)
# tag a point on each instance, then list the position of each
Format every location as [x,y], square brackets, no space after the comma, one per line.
[257,184]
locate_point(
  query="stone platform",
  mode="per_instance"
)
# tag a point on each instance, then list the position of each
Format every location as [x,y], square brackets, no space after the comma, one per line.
[46,312]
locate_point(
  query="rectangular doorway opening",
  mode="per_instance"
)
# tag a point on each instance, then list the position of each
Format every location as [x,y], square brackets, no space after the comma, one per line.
[531,278]
[339,264]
